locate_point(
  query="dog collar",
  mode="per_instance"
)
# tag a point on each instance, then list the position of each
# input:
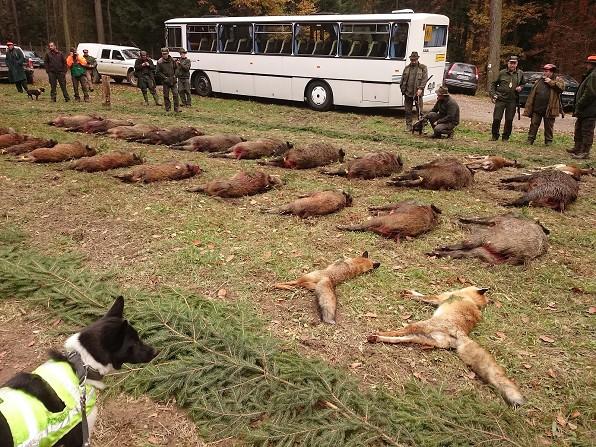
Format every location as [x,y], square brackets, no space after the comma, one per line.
[84,372]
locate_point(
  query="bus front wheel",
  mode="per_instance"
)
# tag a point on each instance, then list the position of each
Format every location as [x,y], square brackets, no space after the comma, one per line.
[319,96]
[203,85]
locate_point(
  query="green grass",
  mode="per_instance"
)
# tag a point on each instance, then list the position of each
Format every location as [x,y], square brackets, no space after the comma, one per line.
[161,236]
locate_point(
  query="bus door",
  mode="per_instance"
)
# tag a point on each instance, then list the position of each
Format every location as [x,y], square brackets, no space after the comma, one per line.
[434,54]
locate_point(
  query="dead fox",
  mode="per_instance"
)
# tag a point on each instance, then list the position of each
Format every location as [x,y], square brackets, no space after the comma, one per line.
[308,156]
[131,132]
[574,171]
[99,126]
[105,162]
[58,153]
[490,162]
[208,143]
[316,204]
[448,328]
[253,149]
[74,120]
[323,282]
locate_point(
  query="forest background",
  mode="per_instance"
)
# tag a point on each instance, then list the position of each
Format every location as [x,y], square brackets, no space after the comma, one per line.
[553,31]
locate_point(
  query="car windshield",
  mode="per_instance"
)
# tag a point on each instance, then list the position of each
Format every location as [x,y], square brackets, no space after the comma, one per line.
[131,53]
[464,67]
[532,76]
[3,51]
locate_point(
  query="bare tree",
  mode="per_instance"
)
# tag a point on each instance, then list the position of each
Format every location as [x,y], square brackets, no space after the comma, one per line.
[65,24]
[494,41]
[99,22]
[16,21]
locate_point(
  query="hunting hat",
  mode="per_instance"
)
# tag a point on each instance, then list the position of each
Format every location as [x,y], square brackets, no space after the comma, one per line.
[591,59]
[551,67]
[513,59]
[164,50]
[182,51]
[414,55]
[442,91]
[9,43]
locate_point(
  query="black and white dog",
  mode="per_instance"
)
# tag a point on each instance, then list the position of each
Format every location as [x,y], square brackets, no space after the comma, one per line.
[44,407]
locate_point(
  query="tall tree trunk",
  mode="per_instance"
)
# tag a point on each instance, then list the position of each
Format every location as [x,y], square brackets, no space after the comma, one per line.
[99,22]
[15,17]
[110,23]
[65,25]
[494,41]
[47,21]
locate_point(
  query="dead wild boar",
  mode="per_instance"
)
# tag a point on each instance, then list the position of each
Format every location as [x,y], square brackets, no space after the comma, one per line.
[131,132]
[105,162]
[28,146]
[241,184]
[403,219]
[253,149]
[60,152]
[168,136]
[490,163]
[501,239]
[10,139]
[316,204]
[73,121]
[208,143]
[442,173]
[550,189]
[173,170]
[369,166]
[99,126]
[308,156]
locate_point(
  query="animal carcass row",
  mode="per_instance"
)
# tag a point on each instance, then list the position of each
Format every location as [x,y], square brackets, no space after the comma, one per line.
[28,146]
[173,170]
[308,156]
[369,166]
[105,162]
[99,126]
[251,150]
[316,204]
[501,239]
[73,121]
[241,184]
[10,139]
[403,219]
[131,132]
[58,153]
[442,173]
[551,189]
[168,136]
[208,143]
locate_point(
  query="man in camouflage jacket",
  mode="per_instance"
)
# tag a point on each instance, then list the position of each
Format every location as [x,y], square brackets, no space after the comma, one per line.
[412,84]
[166,72]
[504,93]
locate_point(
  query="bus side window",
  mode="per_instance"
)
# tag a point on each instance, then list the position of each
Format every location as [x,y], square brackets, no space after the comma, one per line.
[316,39]
[237,38]
[201,38]
[399,41]
[435,35]
[271,38]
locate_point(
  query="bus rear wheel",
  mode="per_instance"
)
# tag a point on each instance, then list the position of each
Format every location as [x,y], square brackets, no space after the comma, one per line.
[202,85]
[319,96]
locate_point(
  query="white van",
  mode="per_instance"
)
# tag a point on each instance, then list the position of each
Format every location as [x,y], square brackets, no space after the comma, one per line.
[113,60]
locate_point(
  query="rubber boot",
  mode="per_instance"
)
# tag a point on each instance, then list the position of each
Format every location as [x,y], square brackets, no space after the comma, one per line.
[146,98]
[495,130]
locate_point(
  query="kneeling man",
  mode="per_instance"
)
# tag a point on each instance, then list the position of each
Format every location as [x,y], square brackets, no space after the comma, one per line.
[444,116]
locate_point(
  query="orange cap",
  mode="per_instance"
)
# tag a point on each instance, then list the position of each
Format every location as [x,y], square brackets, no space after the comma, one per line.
[591,59]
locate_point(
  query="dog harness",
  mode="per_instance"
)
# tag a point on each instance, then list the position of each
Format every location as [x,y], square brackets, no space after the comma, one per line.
[30,422]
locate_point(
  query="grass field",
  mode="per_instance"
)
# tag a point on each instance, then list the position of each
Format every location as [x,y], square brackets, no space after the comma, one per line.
[539,325]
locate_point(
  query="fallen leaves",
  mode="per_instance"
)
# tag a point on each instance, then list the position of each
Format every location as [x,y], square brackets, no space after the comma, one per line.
[547,339]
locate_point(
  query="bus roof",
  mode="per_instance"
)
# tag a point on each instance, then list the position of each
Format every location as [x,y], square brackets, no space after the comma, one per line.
[405,16]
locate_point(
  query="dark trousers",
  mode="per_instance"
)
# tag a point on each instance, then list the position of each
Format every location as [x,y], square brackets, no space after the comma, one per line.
[184,91]
[409,106]
[21,85]
[61,79]
[166,96]
[584,135]
[441,128]
[549,126]
[507,108]
[75,85]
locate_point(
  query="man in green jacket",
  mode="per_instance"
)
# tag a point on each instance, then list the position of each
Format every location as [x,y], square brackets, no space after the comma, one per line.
[15,60]
[445,114]
[504,92]
[145,74]
[412,84]
[544,103]
[183,76]
[585,112]
[166,72]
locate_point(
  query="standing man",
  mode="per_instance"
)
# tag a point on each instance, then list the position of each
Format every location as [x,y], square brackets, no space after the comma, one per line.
[183,76]
[544,103]
[145,74]
[585,112]
[55,63]
[445,114]
[78,73]
[504,93]
[166,72]
[91,68]
[15,59]
[412,84]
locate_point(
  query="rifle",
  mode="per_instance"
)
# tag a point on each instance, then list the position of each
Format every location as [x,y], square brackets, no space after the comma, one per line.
[561,107]
[517,106]
[417,99]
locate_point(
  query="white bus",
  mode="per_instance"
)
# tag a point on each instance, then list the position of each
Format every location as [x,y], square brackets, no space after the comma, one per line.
[350,60]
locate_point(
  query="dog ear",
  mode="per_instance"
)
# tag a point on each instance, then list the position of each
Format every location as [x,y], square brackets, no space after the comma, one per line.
[365,254]
[117,309]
